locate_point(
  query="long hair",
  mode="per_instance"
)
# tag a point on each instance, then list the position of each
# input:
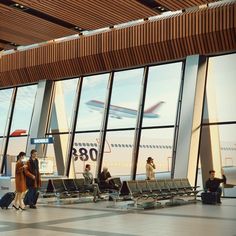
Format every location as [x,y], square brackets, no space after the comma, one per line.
[21,154]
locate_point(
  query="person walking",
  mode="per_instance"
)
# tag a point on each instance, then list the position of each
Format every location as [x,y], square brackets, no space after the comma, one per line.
[20,182]
[33,180]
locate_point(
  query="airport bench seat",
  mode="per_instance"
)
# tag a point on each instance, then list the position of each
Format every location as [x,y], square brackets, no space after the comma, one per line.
[188,188]
[81,186]
[59,188]
[71,187]
[46,189]
[156,189]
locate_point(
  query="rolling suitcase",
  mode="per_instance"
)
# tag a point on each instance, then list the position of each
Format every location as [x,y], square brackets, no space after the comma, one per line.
[7,199]
[28,198]
[209,198]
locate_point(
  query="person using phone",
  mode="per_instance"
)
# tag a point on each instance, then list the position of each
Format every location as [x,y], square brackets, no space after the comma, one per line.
[150,167]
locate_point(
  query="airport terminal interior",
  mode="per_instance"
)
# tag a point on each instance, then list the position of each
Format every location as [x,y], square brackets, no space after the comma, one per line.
[114,84]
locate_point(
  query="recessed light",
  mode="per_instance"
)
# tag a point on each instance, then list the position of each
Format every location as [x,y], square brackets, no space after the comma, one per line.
[77,28]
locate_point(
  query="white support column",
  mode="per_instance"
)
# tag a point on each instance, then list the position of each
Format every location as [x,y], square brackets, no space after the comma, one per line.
[59,124]
[40,115]
[210,152]
[190,118]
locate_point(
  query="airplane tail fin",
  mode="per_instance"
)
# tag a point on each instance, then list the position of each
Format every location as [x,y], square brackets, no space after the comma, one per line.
[153,108]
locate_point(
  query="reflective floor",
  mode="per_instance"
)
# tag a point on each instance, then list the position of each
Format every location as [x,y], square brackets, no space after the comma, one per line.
[105,218]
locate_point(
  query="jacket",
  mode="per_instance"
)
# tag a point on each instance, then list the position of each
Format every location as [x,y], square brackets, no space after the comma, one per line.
[32,171]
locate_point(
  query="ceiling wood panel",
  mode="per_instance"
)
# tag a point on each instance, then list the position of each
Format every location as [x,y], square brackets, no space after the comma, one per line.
[37,25]
[92,14]
[205,31]
[182,4]
[24,29]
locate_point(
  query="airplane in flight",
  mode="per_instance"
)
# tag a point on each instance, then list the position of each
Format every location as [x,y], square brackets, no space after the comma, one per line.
[121,112]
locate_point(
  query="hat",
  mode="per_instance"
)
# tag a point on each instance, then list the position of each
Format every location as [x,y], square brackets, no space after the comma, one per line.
[150,159]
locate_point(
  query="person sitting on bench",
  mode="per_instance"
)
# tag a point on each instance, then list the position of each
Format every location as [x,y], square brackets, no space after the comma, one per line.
[213,184]
[89,183]
[106,181]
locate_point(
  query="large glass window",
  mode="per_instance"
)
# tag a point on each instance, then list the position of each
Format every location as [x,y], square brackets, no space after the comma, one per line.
[85,151]
[162,94]
[125,99]
[55,159]
[118,153]
[92,100]
[1,151]
[5,101]
[63,104]
[23,110]
[155,143]
[219,107]
[221,87]
[15,145]
[222,137]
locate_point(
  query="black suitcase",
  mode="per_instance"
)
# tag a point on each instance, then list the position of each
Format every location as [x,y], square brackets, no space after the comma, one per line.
[209,198]
[7,199]
[26,198]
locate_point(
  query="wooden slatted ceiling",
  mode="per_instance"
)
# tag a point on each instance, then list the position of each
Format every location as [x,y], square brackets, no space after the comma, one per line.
[182,4]
[92,14]
[24,29]
[202,32]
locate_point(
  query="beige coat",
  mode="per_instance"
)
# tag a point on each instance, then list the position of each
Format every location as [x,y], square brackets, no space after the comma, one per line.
[150,171]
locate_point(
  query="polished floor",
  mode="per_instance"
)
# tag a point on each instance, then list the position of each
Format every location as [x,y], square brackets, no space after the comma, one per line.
[107,218]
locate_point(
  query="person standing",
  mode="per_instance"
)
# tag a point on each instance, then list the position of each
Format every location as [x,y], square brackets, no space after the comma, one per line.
[20,182]
[33,180]
[150,167]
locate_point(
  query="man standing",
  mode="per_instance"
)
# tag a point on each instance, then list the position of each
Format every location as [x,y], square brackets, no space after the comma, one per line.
[33,180]
[213,184]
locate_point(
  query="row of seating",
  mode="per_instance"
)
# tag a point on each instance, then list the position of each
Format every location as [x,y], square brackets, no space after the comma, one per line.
[63,188]
[134,189]
[68,187]
[158,189]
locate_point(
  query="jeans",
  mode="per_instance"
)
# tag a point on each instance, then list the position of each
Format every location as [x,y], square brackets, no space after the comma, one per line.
[219,192]
[94,188]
